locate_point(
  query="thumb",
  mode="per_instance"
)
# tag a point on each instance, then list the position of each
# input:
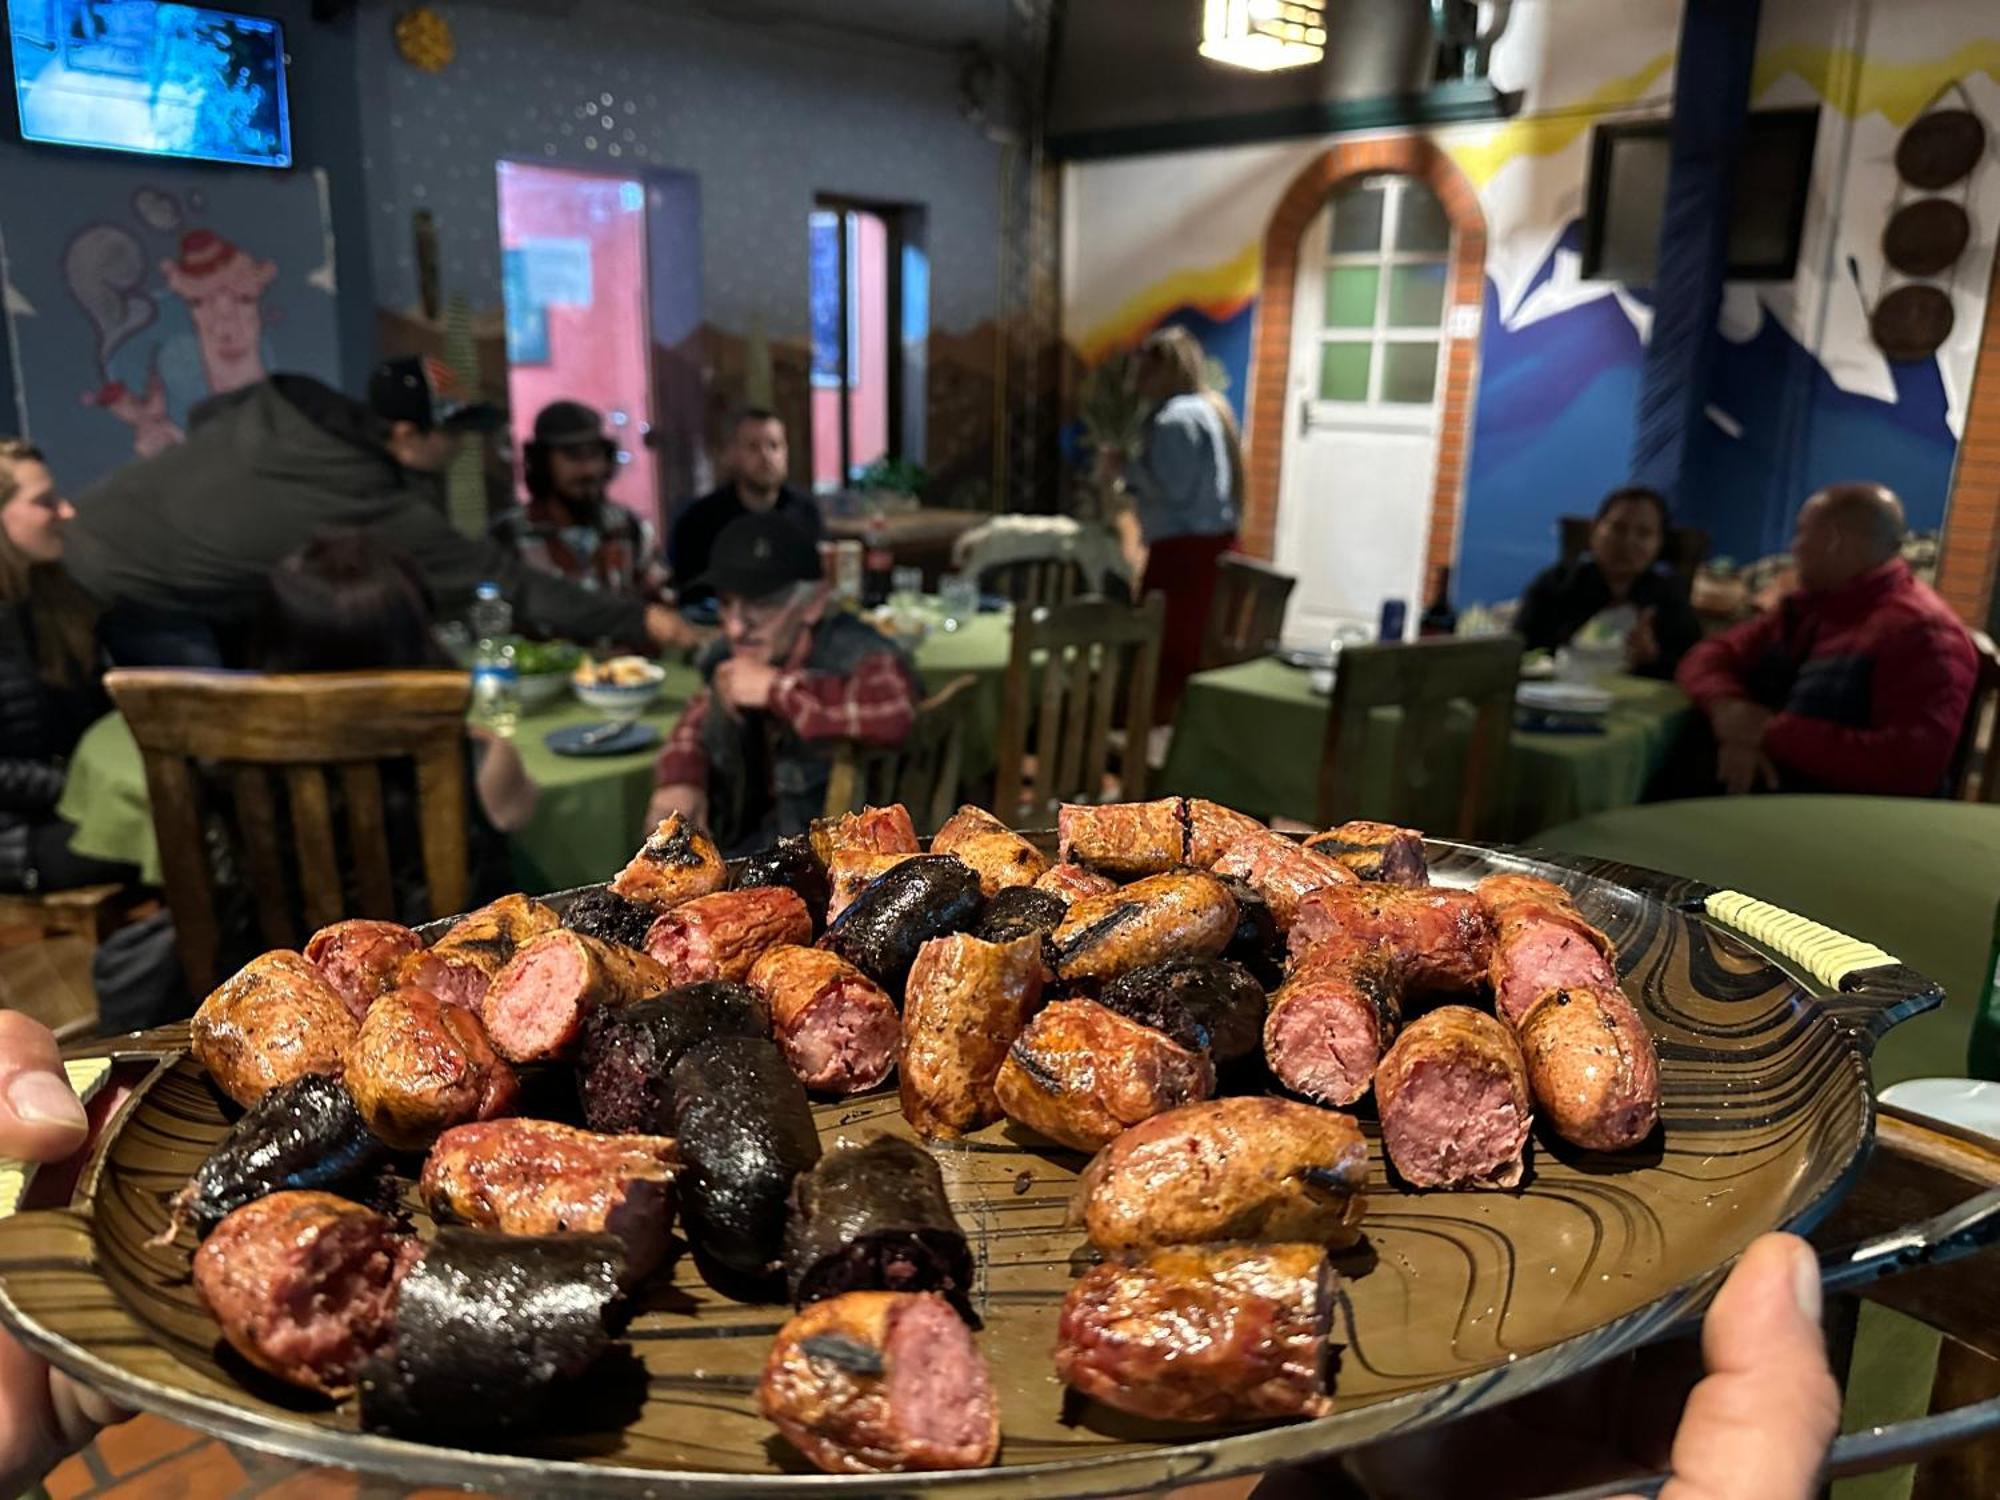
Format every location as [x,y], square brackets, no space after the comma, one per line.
[1758,1426]
[41,1118]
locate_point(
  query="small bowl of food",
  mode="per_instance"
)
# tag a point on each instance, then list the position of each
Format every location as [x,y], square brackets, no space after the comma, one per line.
[622,686]
[543,669]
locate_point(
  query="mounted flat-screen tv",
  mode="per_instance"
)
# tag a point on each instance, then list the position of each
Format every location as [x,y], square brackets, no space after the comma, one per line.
[162,80]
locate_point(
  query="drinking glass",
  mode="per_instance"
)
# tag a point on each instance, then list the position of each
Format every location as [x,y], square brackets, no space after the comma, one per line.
[958,599]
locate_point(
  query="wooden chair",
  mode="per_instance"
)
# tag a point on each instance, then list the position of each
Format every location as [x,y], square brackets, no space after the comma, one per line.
[1033,581]
[46,945]
[1429,681]
[1684,550]
[1087,654]
[922,773]
[1975,775]
[1248,612]
[201,731]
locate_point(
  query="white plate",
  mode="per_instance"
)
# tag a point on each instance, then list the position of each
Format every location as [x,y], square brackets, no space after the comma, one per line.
[1967,1103]
[1563,698]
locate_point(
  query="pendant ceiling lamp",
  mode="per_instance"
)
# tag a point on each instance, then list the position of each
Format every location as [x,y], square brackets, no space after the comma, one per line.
[1264,35]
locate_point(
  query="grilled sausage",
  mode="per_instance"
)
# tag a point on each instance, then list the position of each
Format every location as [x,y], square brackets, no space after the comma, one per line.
[1377,851]
[460,965]
[601,914]
[853,871]
[1000,857]
[721,936]
[1214,829]
[1453,1096]
[676,863]
[791,864]
[1021,911]
[1202,1333]
[420,1066]
[1185,914]
[920,899]
[273,1020]
[745,1131]
[1074,882]
[360,958]
[965,1003]
[836,1026]
[1080,1074]
[627,1053]
[1220,1000]
[303,1285]
[538,1177]
[1442,937]
[881,1383]
[1125,839]
[1592,1067]
[536,1006]
[1257,944]
[1330,1023]
[873,830]
[1242,1168]
[1281,870]
[1541,942]
[874,1218]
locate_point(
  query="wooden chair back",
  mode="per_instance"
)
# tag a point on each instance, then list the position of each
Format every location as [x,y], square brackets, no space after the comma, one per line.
[923,773]
[1034,581]
[1248,613]
[1432,682]
[264,738]
[1975,773]
[1684,550]
[1070,669]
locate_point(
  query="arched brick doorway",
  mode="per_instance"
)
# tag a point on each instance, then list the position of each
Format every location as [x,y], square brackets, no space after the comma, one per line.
[1271,351]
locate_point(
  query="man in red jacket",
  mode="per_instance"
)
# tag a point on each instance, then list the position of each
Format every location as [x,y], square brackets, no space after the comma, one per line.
[1859,682]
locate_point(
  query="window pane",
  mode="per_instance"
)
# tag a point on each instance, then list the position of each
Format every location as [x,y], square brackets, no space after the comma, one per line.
[1343,372]
[1416,296]
[1357,221]
[1420,222]
[1409,373]
[1350,296]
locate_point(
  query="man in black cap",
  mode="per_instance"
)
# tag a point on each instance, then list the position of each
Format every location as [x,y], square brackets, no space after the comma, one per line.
[751,755]
[177,547]
[569,527]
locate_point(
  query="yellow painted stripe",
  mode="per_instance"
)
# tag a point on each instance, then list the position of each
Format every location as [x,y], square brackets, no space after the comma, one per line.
[1482,153]
[1857,85]
[86,1076]
[1219,290]
[1827,955]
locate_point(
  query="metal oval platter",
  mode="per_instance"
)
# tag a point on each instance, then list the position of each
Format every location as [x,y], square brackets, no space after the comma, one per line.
[1455,1301]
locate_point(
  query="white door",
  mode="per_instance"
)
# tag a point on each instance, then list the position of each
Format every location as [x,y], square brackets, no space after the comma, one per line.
[1362,408]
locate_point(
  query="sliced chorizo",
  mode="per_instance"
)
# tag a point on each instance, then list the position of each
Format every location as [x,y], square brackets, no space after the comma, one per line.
[1184,914]
[721,936]
[421,1065]
[965,1003]
[1080,1074]
[1453,1099]
[360,958]
[677,863]
[272,1021]
[536,1006]
[460,965]
[1592,1067]
[837,1027]
[1000,857]
[1126,839]
[1330,1024]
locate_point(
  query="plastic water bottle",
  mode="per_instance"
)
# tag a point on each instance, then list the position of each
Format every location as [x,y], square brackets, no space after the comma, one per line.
[496,681]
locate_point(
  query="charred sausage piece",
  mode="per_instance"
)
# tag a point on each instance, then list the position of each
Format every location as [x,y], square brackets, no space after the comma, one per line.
[881,1383]
[1185,914]
[790,863]
[360,958]
[1498,893]
[272,1021]
[421,1066]
[874,1218]
[745,1131]
[966,1001]
[1441,936]
[1125,839]
[1023,911]
[852,872]
[1541,942]
[460,965]
[1000,857]
[1257,944]
[627,1054]
[1219,997]
[1214,829]
[1208,1333]
[873,830]
[837,1027]
[536,1006]
[1074,882]
[920,899]
[1281,870]
[303,1285]
[488,1328]
[538,1177]
[1331,1023]
[1243,1168]
[1592,1068]
[1080,1074]
[610,918]
[676,863]
[1377,851]
[721,936]
[303,1135]
[1453,1095]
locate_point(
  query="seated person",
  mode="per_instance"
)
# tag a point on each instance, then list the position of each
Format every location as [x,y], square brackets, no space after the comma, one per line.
[569,527]
[755,461]
[1858,682]
[750,756]
[1622,569]
[50,681]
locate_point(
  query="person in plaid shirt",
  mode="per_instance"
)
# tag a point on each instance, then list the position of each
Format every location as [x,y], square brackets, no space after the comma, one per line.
[750,756]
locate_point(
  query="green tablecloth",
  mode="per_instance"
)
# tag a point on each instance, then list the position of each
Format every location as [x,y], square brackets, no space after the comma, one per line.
[1250,736]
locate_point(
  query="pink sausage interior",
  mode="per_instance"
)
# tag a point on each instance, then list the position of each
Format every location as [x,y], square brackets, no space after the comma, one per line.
[1543,956]
[341,1305]
[535,1016]
[844,1041]
[1323,1043]
[938,1387]
[456,984]
[1455,1124]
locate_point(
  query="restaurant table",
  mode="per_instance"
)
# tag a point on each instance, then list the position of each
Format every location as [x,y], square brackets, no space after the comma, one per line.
[921,538]
[1250,736]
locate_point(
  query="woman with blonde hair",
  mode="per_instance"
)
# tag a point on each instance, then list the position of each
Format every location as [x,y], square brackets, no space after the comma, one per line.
[1186,487]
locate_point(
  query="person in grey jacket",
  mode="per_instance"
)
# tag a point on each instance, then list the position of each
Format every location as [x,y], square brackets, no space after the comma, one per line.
[177,547]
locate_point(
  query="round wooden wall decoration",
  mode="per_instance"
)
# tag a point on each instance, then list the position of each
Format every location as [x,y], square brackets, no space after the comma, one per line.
[1940,148]
[1925,237]
[1911,322]
[424,40]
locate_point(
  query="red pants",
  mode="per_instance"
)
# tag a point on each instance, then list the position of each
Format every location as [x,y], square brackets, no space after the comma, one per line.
[1182,568]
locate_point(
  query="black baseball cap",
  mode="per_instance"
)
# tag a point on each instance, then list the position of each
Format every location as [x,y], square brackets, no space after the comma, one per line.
[756,555]
[426,392]
[569,424]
